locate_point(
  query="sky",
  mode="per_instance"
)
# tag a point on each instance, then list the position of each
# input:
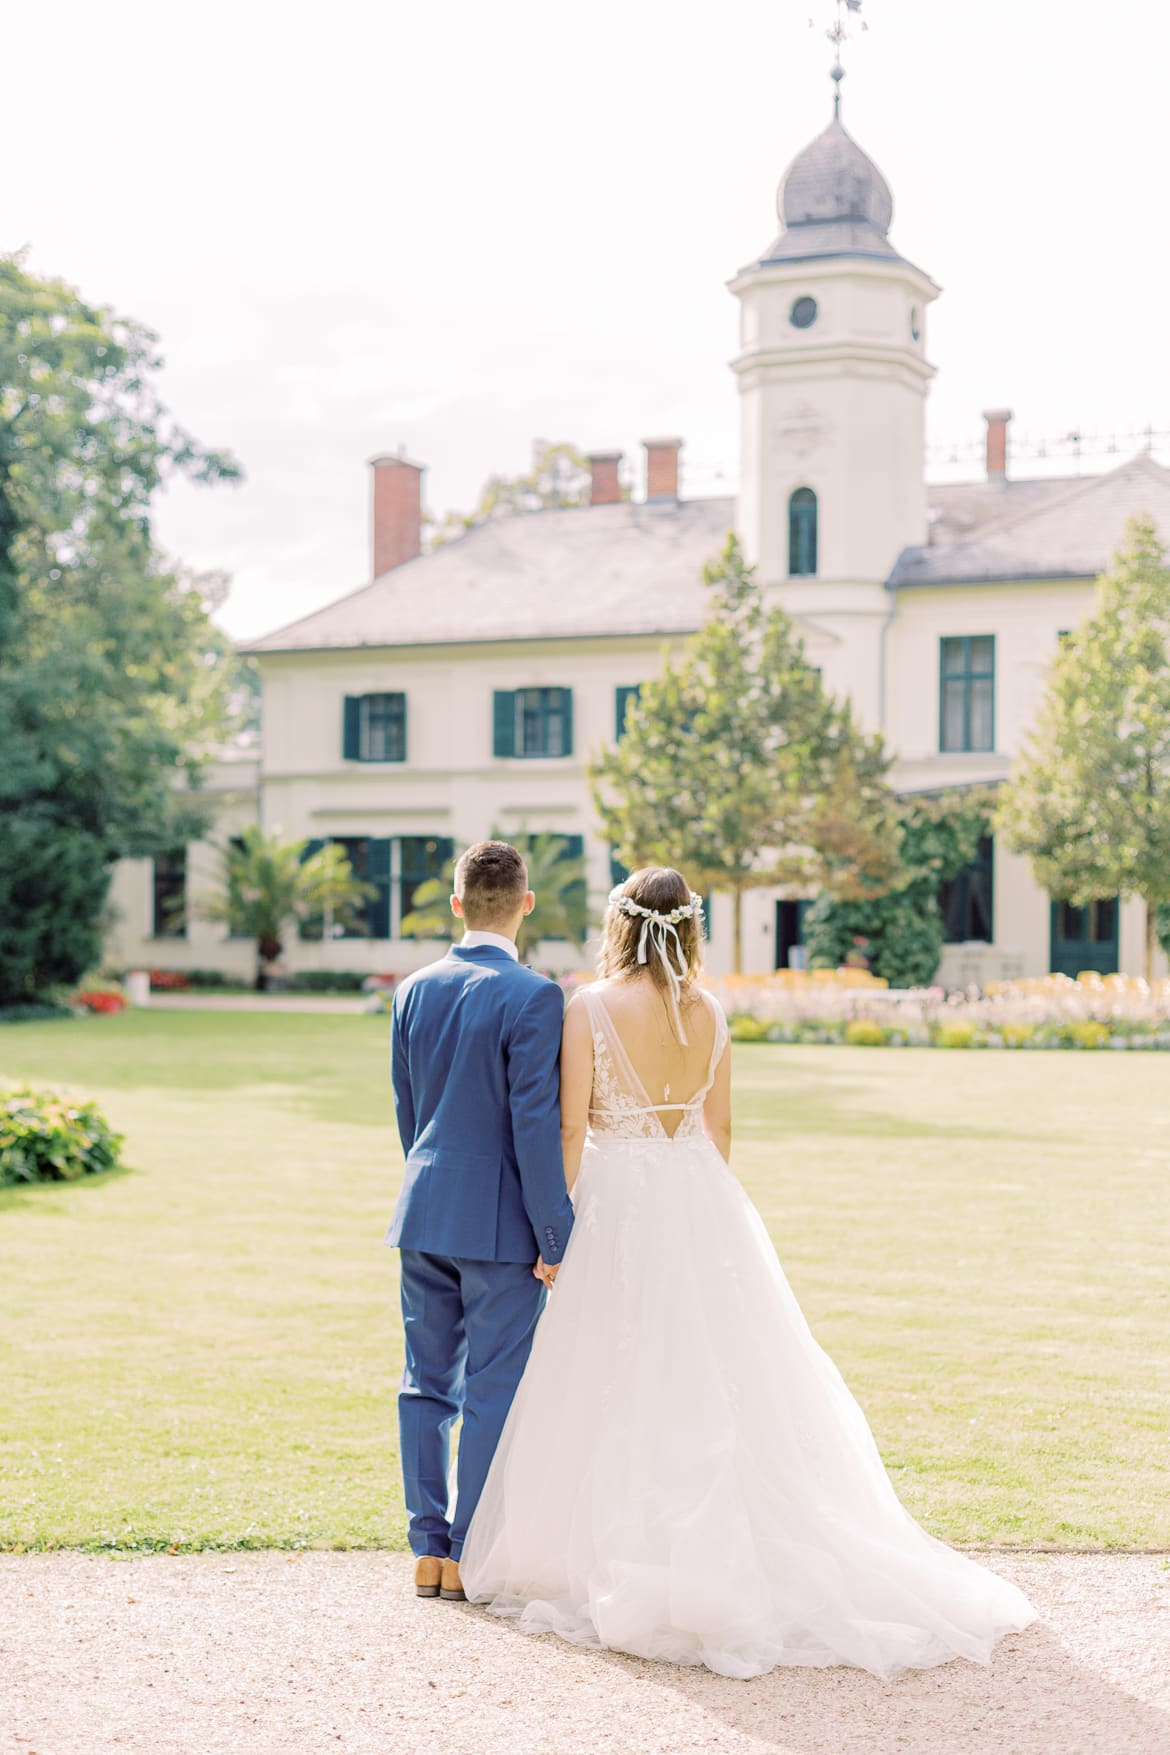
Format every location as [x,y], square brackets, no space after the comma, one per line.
[457,227]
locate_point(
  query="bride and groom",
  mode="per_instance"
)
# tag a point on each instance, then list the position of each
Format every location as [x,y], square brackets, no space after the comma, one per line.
[662,1461]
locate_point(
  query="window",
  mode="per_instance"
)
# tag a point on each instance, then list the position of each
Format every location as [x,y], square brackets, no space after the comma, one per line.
[803,313]
[169,894]
[967,692]
[967,899]
[375,728]
[623,695]
[802,533]
[532,722]
[421,857]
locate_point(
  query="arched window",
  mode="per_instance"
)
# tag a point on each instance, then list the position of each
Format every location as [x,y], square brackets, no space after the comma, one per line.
[802,533]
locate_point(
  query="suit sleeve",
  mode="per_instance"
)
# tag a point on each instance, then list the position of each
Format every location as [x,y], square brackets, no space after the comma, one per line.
[400,1078]
[534,1049]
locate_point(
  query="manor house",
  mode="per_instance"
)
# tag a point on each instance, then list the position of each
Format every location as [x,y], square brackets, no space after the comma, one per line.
[462,691]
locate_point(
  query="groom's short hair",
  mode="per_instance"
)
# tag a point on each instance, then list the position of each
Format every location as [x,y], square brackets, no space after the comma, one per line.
[491,881]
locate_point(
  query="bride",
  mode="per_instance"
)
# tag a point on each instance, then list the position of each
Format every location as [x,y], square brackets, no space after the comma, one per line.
[684,1474]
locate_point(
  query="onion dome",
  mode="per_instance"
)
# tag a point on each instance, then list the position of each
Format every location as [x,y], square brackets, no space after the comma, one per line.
[832,201]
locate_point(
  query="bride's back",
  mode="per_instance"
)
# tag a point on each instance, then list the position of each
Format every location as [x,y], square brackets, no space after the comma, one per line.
[671,1072]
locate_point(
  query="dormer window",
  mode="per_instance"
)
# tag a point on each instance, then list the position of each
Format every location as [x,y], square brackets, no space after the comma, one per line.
[802,534]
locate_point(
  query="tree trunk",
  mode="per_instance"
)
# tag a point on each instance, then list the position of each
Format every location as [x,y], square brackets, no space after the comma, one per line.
[737,932]
[1151,937]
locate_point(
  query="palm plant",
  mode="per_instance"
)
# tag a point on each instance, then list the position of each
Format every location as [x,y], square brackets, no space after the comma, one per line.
[562,908]
[267,885]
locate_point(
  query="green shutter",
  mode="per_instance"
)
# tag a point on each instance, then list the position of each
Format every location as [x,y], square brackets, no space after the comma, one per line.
[623,695]
[378,873]
[504,722]
[567,719]
[351,742]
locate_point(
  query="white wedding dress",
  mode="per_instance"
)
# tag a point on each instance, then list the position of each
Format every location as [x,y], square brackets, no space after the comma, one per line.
[684,1474]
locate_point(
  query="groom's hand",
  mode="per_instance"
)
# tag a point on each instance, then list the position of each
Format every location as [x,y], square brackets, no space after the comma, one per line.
[544,1272]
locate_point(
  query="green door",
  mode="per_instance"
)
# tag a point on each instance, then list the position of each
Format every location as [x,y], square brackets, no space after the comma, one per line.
[1085,938]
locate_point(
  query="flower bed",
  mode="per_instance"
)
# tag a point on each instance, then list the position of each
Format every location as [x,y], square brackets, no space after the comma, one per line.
[99,999]
[1052,1011]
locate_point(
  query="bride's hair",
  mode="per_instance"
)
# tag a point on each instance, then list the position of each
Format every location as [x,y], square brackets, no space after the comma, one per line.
[662,891]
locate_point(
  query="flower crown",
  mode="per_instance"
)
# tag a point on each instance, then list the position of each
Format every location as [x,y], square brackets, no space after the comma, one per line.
[626,905]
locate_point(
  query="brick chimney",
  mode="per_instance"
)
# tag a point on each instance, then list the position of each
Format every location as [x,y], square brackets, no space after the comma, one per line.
[997,442]
[396,522]
[605,489]
[662,468]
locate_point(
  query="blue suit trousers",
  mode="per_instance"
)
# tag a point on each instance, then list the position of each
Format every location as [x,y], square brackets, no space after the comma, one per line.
[469,1328]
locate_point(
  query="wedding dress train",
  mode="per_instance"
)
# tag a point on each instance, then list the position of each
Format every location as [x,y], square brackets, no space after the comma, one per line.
[684,1474]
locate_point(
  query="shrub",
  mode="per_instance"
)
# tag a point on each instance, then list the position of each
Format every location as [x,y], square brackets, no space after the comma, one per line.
[101,999]
[168,981]
[866,1033]
[46,1137]
[33,1011]
[1088,1034]
[957,1035]
[903,935]
[1018,1035]
[748,1029]
[320,980]
[212,978]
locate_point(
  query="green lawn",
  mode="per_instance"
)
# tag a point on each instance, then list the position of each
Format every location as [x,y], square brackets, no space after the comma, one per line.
[205,1350]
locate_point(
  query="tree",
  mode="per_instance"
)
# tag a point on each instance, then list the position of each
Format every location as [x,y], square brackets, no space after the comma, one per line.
[554,875]
[1089,798]
[900,933]
[114,683]
[740,768]
[559,477]
[267,885]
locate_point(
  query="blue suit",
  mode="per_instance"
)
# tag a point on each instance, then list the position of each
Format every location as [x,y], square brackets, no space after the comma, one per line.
[475,1049]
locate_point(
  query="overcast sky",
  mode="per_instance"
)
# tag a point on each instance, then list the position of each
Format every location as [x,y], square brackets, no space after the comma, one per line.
[456,226]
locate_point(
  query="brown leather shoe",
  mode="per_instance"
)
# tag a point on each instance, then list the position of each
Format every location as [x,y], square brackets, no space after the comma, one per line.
[452,1590]
[428,1575]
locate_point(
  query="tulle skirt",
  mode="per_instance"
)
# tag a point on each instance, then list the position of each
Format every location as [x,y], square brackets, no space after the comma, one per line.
[684,1474]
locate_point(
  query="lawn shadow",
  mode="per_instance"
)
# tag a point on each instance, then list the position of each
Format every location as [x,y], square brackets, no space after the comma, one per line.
[1035,1697]
[33,1196]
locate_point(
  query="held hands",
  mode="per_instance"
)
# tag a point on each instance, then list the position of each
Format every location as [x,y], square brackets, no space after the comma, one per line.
[545,1273]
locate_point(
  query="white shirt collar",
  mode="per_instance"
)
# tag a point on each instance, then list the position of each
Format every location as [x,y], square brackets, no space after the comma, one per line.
[472,940]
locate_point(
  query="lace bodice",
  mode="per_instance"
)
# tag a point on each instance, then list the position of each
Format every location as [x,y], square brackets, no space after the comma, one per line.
[620,1106]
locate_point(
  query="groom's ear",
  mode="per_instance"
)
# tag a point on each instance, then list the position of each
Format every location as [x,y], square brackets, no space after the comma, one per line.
[457,907]
[529,902]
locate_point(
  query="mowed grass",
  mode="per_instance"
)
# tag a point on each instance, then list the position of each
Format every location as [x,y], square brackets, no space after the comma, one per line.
[204,1350]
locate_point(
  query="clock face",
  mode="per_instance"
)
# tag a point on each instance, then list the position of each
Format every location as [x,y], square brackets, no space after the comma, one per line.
[803,313]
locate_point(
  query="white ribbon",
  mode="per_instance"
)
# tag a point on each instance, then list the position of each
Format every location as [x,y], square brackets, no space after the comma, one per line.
[656,931]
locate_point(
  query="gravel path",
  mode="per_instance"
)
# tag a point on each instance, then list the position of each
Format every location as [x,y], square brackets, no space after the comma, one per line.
[267,1654]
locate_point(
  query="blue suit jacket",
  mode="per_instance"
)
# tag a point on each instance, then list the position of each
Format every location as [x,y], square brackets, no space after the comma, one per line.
[475,1052]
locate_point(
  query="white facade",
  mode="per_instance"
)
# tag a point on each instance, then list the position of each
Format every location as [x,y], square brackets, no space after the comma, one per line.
[906,579]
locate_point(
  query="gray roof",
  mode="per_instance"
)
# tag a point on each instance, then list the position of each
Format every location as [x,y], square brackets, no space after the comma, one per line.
[1068,533]
[594,570]
[832,201]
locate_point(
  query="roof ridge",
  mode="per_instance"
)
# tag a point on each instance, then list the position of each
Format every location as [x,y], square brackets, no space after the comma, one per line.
[1026,514]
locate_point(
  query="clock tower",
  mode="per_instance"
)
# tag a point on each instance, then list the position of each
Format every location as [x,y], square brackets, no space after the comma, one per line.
[833,375]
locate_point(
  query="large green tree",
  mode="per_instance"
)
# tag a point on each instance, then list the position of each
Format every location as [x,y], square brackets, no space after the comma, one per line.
[1089,798]
[114,682]
[739,767]
[900,933]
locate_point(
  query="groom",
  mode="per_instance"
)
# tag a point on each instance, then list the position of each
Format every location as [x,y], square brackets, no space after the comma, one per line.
[475,1046]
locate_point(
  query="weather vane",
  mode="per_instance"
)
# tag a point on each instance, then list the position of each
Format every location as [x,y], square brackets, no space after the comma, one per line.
[838,34]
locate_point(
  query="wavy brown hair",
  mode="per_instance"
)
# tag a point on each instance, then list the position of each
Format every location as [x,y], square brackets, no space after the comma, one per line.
[662,888]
